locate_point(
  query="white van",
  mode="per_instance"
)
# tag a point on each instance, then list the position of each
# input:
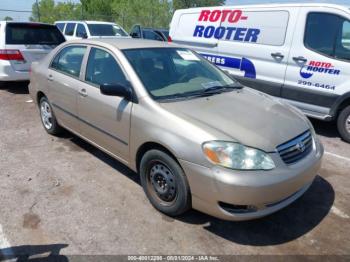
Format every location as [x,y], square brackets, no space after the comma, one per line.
[297,52]
[90,29]
[22,43]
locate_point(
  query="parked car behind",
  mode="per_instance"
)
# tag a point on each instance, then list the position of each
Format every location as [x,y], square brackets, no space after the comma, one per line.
[23,43]
[196,137]
[297,52]
[90,29]
[158,34]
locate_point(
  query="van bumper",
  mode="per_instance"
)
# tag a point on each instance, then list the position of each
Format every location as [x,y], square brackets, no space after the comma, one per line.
[244,195]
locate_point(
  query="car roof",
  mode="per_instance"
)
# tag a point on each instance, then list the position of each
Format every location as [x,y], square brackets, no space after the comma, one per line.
[124,43]
[85,21]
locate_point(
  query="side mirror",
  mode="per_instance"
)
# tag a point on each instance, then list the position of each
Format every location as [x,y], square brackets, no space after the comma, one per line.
[116,90]
[84,36]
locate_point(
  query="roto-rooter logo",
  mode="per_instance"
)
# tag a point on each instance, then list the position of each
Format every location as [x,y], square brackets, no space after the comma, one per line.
[308,71]
[241,34]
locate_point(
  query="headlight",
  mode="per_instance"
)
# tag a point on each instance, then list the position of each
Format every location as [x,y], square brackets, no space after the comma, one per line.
[237,156]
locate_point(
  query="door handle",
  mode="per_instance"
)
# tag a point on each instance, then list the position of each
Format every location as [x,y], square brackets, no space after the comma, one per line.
[300,59]
[277,55]
[50,78]
[83,92]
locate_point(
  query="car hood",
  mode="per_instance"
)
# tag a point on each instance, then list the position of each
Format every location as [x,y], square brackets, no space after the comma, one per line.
[245,116]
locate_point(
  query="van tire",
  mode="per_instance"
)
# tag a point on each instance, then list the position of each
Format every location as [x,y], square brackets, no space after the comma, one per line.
[343,123]
[174,198]
[51,126]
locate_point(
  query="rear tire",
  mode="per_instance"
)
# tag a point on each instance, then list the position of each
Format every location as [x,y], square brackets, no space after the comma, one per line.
[165,183]
[343,123]
[48,118]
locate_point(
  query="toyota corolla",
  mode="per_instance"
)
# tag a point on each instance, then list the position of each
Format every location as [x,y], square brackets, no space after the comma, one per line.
[194,135]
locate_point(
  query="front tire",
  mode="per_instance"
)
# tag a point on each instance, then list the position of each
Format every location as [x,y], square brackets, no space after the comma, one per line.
[48,118]
[343,123]
[165,183]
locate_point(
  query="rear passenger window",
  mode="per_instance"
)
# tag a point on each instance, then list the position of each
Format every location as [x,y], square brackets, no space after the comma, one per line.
[60,26]
[102,68]
[81,32]
[336,42]
[69,29]
[69,60]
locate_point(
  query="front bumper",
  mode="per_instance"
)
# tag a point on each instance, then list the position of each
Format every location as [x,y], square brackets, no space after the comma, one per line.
[244,195]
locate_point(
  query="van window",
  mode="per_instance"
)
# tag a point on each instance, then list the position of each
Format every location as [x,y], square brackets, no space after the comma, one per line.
[60,26]
[33,34]
[336,43]
[102,68]
[81,32]
[106,30]
[70,29]
[69,60]
[342,49]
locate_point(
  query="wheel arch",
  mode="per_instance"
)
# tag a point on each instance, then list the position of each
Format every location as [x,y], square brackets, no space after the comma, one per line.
[340,103]
[147,146]
[39,95]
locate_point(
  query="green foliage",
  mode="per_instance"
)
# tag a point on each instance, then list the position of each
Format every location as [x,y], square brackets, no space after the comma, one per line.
[51,12]
[151,13]
[97,10]
[8,18]
[148,13]
[182,4]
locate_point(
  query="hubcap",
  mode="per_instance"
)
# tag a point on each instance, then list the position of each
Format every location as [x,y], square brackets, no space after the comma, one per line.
[162,182]
[46,115]
[347,124]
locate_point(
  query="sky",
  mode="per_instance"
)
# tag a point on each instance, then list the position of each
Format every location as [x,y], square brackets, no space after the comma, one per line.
[26,5]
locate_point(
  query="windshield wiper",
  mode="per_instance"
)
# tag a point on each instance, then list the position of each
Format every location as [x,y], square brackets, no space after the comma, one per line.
[200,93]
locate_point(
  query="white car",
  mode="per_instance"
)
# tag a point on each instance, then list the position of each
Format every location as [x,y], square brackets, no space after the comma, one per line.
[23,43]
[90,29]
[297,52]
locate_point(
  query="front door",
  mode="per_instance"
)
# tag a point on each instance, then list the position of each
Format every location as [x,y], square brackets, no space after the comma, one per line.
[105,120]
[318,68]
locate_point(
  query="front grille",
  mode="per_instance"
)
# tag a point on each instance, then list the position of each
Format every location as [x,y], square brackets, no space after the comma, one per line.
[296,149]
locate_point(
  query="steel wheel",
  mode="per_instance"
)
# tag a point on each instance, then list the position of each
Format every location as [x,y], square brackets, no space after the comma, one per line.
[161,183]
[46,114]
[347,124]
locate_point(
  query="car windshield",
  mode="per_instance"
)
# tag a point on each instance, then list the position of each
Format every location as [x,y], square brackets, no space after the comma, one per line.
[106,30]
[33,34]
[177,73]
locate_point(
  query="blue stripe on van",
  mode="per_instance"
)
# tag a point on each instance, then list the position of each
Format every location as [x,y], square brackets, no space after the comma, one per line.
[243,64]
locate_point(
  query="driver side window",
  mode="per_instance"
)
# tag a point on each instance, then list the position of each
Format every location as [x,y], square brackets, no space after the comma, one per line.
[102,69]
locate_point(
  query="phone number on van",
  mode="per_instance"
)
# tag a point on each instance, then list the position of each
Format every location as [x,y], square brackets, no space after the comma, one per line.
[319,85]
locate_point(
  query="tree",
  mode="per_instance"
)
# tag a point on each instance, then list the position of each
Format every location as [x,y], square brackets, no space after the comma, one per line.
[151,13]
[182,4]
[8,18]
[51,12]
[98,9]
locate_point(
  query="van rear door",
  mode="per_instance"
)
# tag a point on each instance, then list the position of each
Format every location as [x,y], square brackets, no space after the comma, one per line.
[318,70]
[256,46]
[194,29]
[30,42]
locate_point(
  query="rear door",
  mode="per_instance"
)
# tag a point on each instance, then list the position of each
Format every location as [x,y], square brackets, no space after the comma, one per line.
[319,64]
[256,45]
[63,81]
[195,29]
[32,40]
